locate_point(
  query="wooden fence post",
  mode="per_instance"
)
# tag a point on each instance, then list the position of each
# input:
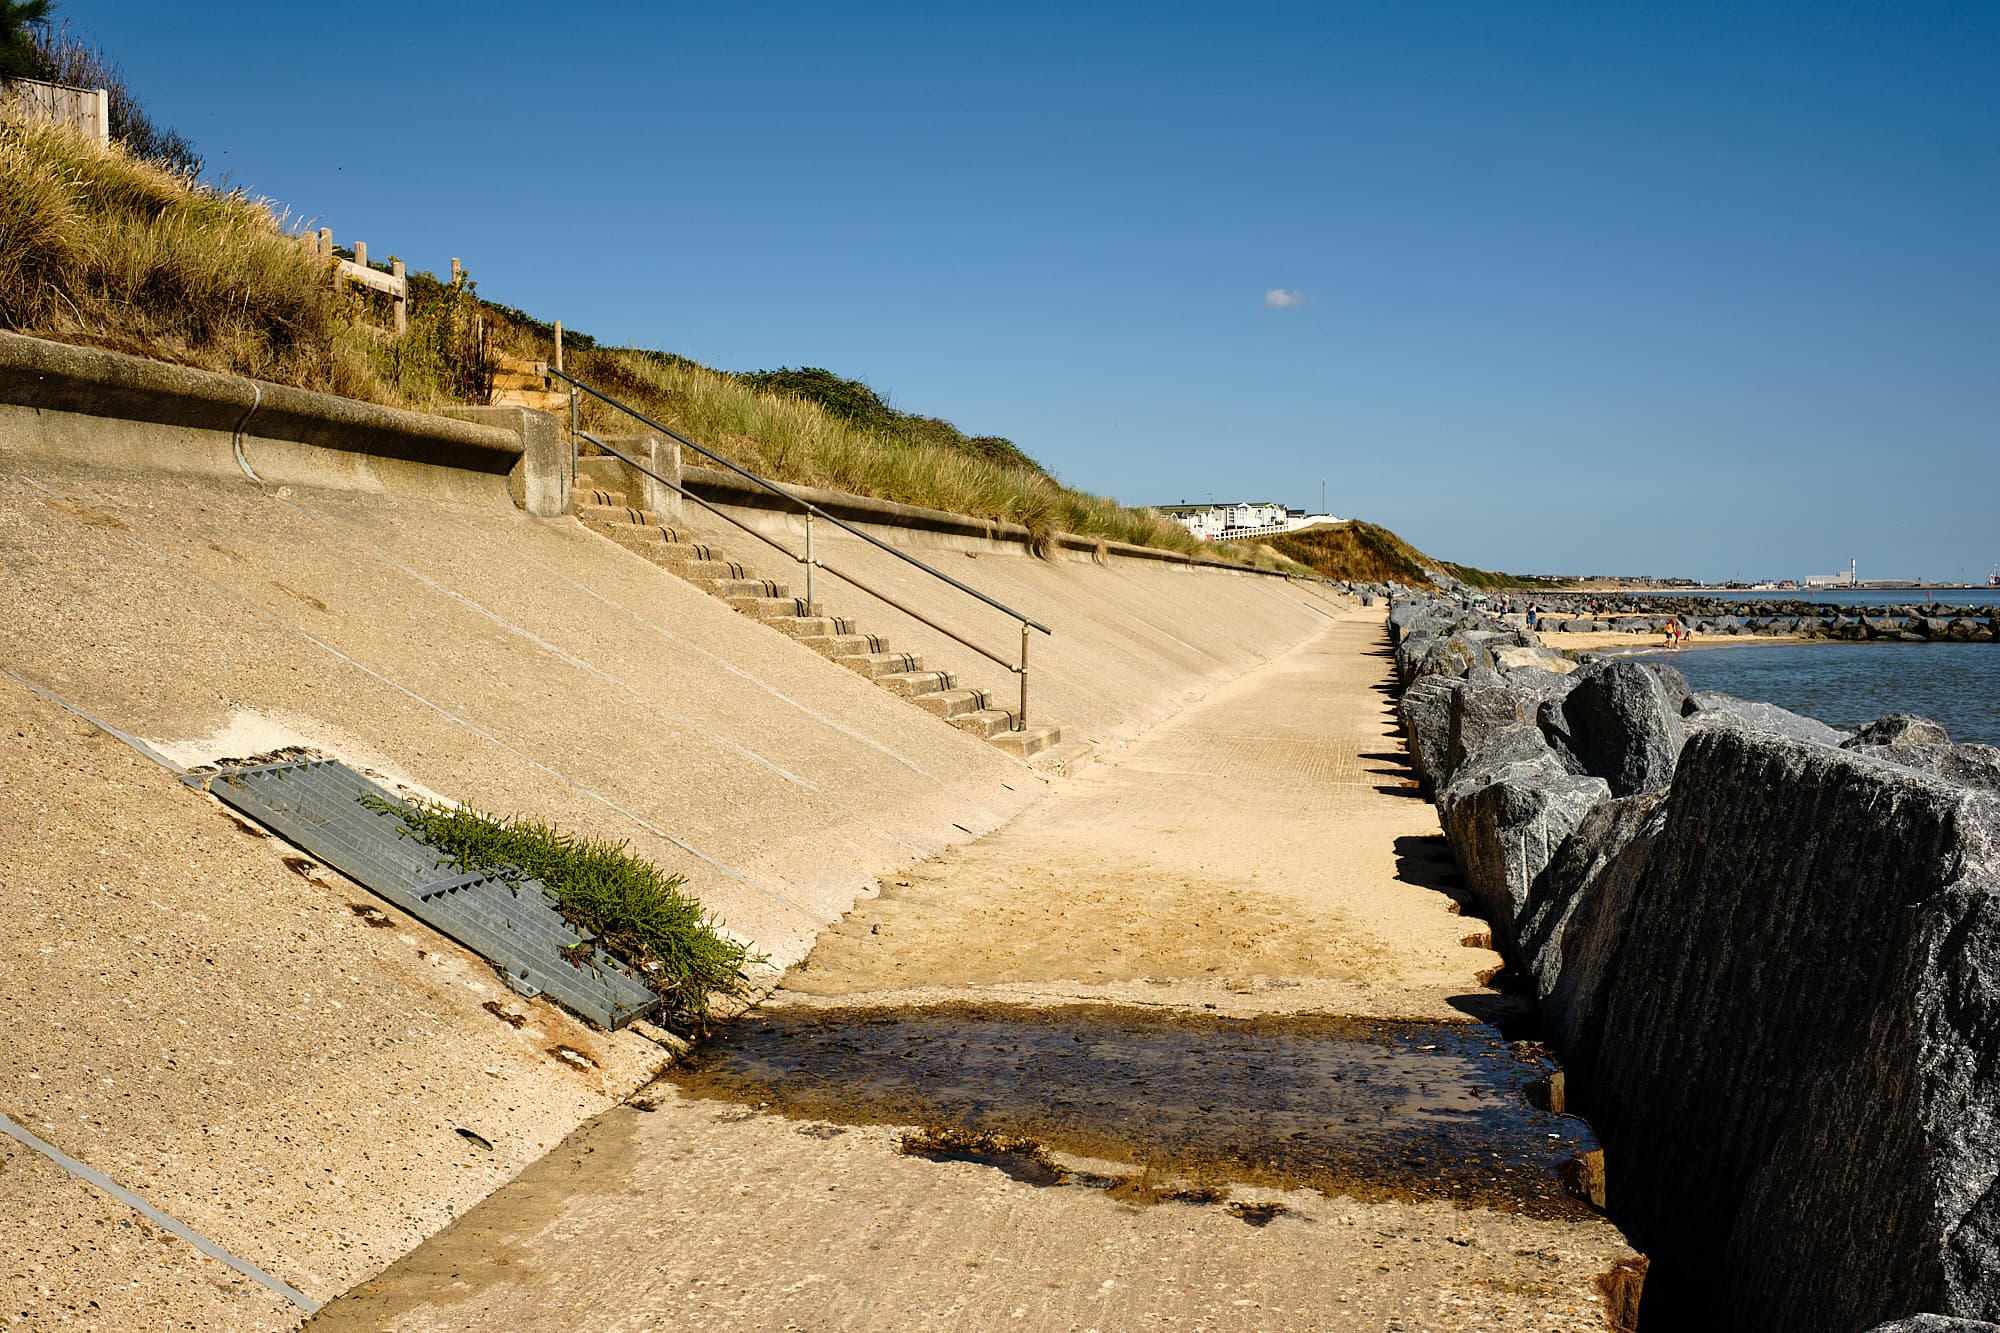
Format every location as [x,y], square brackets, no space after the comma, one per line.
[402,297]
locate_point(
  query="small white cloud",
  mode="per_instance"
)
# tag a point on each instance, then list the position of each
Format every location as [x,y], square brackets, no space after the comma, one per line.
[1280,299]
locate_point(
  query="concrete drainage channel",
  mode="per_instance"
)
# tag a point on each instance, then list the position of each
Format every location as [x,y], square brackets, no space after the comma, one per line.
[335,814]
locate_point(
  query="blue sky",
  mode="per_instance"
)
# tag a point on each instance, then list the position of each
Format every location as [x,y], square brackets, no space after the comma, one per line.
[1671,288]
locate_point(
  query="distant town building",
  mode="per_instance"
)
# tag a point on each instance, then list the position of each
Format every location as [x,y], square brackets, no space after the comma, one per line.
[1248,518]
[1846,578]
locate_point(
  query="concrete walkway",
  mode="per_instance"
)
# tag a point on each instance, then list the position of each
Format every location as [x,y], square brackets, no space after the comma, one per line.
[1262,853]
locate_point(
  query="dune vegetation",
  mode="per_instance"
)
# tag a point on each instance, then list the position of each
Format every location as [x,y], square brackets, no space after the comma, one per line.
[1365,553]
[111,249]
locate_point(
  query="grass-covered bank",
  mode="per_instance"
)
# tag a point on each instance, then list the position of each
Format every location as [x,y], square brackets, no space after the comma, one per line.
[618,900]
[104,248]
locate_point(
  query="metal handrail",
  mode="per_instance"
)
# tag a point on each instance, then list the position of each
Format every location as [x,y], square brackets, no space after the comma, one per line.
[806,505]
[810,510]
[810,562]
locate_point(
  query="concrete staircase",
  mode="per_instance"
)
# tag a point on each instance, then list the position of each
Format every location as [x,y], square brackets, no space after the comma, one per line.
[869,655]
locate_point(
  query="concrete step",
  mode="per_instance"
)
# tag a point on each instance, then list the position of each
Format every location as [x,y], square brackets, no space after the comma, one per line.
[668,544]
[1029,743]
[842,641]
[613,509]
[985,723]
[713,569]
[951,705]
[727,588]
[818,632]
[876,665]
[1067,759]
[772,608]
[910,684]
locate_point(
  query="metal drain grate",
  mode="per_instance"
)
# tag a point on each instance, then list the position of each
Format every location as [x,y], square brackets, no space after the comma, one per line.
[318,805]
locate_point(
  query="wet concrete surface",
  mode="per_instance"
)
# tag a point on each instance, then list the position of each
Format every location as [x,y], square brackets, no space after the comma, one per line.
[1364,1107]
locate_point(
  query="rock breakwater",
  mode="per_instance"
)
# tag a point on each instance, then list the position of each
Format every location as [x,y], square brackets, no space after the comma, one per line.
[1802,618]
[1768,953]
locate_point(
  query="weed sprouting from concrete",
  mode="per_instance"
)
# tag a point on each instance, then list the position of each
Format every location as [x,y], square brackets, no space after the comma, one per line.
[621,901]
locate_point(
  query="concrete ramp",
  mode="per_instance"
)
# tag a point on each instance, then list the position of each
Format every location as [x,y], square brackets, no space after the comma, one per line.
[239,1034]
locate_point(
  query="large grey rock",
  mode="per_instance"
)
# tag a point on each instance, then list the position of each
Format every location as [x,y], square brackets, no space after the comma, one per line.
[1425,709]
[1532,686]
[1935,1323]
[1619,722]
[1899,729]
[1479,712]
[1712,707]
[1576,915]
[1919,743]
[1453,656]
[1505,815]
[1798,1071]
[1672,684]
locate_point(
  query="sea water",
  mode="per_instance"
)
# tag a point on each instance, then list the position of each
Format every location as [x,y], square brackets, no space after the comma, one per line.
[1847,684]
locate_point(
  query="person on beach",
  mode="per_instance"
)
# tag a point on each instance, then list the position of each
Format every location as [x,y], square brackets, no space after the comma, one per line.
[1531,615]
[1673,633]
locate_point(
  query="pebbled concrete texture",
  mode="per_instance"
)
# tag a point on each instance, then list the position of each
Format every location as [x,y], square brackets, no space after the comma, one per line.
[228,1036]
[1258,853]
[205,1017]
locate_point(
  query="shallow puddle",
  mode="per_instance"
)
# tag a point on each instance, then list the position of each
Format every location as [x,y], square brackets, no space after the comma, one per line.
[1363,1107]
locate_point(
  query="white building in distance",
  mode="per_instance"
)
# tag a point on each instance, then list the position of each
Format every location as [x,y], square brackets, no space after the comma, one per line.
[1246,518]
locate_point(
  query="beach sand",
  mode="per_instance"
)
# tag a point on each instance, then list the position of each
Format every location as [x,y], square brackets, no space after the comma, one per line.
[1616,641]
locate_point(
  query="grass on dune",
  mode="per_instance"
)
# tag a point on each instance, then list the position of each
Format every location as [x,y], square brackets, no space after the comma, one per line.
[1366,553]
[792,439]
[100,247]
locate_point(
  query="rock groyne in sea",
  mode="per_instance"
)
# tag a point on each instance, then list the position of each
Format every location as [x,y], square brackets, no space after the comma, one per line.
[1724,616]
[1768,953]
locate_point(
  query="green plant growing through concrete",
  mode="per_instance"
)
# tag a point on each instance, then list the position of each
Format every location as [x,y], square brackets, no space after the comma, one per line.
[632,907]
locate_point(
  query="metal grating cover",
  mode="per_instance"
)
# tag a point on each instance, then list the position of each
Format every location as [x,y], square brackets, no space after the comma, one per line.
[318,805]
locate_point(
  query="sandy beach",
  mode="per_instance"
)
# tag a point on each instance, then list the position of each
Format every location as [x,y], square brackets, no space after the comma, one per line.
[1615,641]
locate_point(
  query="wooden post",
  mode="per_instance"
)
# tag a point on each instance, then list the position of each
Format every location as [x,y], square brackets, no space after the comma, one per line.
[457,273]
[361,253]
[402,297]
[326,243]
[559,364]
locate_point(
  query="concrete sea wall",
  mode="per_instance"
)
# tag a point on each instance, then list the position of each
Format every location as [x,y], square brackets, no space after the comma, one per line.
[1769,954]
[254,1044]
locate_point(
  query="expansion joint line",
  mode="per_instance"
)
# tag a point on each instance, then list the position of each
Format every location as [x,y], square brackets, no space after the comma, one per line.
[92,1176]
[145,750]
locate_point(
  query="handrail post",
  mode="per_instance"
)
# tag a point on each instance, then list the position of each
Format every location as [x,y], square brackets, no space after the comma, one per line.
[572,428]
[1022,724]
[809,563]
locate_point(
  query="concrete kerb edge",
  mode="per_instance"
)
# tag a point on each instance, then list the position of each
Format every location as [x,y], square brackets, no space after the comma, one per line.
[726,488]
[53,377]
